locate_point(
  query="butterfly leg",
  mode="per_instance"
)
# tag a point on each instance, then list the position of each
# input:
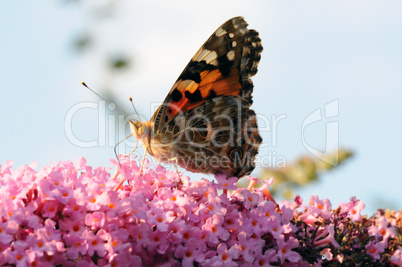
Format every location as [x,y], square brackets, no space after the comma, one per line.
[176,163]
[122,180]
[115,149]
[116,173]
[142,162]
[132,151]
[129,154]
[177,172]
[119,184]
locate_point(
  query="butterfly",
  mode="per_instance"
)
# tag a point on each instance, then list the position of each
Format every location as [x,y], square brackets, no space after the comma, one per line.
[205,123]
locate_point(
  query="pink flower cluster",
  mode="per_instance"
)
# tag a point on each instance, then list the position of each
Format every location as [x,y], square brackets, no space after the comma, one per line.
[70,214]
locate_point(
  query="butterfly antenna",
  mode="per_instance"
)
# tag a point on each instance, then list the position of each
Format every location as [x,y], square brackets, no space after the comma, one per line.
[132,104]
[125,112]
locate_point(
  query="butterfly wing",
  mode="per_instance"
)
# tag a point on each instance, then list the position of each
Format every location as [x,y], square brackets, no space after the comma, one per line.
[205,122]
[218,136]
[222,66]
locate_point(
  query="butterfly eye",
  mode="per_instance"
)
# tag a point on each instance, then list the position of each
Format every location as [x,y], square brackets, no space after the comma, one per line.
[140,130]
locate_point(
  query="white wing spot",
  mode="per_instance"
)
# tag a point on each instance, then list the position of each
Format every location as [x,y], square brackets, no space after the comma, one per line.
[231,35]
[242,31]
[230,55]
[234,43]
[201,54]
[236,23]
[211,57]
[219,32]
[208,56]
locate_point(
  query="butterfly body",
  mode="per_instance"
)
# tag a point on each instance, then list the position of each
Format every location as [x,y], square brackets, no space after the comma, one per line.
[205,124]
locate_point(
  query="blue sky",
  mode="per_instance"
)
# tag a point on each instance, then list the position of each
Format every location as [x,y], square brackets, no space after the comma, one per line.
[315,52]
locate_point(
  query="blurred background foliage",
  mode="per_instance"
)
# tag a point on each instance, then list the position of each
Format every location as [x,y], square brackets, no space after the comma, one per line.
[304,171]
[87,40]
[116,61]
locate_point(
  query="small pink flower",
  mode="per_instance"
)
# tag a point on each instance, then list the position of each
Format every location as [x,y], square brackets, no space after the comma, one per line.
[74,227]
[397,257]
[198,188]
[170,199]
[211,207]
[264,189]
[268,209]
[285,249]
[51,232]
[50,208]
[225,256]
[110,201]
[374,250]
[287,214]
[250,199]
[95,242]
[7,230]
[12,189]
[95,220]
[134,207]
[265,260]
[5,169]
[382,229]
[353,209]
[190,252]
[253,182]
[326,235]
[158,242]
[326,254]
[151,183]
[248,247]
[141,236]
[179,198]
[253,222]
[163,177]
[190,210]
[214,226]
[161,219]
[63,194]
[46,188]
[76,246]
[191,232]
[19,255]
[175,232]
[275,227]
[80,163]
[57,181]
[117,242]
[124,259]
[226,183]
[320,207]
[88,196]
[232,221]
[40,243]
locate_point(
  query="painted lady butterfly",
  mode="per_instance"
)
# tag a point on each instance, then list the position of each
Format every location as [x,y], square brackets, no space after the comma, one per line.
[205,123]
